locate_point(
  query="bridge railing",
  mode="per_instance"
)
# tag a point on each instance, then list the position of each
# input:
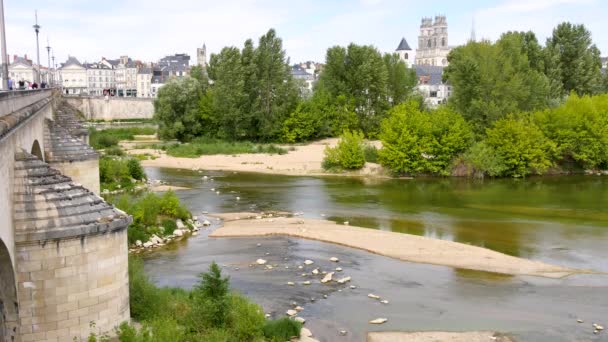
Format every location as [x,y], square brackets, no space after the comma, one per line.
[12,101]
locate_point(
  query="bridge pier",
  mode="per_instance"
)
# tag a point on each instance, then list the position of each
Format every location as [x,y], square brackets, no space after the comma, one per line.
[63,249]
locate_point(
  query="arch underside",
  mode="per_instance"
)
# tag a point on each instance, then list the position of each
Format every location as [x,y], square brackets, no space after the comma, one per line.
[9,313]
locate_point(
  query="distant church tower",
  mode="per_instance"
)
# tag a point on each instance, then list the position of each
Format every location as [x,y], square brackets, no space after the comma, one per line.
[405,53]
[201,56]
[433,42]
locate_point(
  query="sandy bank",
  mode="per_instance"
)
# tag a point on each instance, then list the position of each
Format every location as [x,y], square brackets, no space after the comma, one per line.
[305,160]
[437,336]
[395,245]
[161,188]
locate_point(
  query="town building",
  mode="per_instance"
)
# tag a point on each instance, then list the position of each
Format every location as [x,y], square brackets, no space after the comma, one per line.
[100,79]
[405,52]
[126,77]
[433,46]
[22,69]
[431,86]
[307,73]
[144,82]
[177,65]
[73,77]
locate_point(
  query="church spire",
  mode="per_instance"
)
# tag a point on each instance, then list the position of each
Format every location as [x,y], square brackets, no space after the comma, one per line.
[473,37]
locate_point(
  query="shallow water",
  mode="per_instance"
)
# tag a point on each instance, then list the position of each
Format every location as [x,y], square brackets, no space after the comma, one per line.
[561,220]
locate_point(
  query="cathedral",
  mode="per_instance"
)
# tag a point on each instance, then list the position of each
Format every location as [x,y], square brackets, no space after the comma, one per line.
[433,42]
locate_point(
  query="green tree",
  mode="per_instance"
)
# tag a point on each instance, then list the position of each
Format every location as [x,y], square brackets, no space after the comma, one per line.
[135,169]
[401,80]
[177,110]
[275,90]
[572,61]
[348,153]
[228,94]
[490,81]
[579,128]
[212,298]
[416,141]
[522,146]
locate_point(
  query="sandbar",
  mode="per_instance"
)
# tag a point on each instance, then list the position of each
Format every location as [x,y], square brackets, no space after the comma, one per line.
[400,246]
[437,336]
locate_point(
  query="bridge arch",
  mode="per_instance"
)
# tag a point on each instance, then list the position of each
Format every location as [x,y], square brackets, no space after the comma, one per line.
[36,150]
[9,314]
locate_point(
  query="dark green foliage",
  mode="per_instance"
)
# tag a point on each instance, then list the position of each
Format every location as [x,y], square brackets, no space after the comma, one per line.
[282,329]
[169,226]
[210,146]
[371,153]
[114,151]
[348,154]
[490,81]
[135,169]
[401,79]
[485,160]
[415,141]
[572,61]
[177,111]
[211,297]
[172,314]
[110,137]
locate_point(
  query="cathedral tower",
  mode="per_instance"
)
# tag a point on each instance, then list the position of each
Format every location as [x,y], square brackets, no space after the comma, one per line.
[201,56]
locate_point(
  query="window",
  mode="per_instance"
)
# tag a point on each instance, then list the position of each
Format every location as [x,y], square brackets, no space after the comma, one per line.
[428,44]
[433,93]
[406,56]
[443,41]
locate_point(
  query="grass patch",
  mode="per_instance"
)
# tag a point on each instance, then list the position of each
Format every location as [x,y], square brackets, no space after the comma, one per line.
[101,139]
[371,153]
[282,329]
[210,146]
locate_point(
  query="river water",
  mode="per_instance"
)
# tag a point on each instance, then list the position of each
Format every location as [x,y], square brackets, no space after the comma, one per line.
[559,220]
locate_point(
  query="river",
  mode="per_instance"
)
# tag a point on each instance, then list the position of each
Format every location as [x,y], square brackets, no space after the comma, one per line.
[558,220]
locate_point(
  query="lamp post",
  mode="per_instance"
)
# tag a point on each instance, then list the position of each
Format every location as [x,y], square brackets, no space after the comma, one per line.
[3,48]
[54,69]
[48,55]
[37,29]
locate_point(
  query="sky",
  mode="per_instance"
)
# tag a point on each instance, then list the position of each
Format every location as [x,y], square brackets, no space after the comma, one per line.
[148,30]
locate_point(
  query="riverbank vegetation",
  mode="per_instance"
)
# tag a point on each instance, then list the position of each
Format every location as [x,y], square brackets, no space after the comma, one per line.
[517,107]
[210,146]
[209,312]
[101,139]
[153,214]
[120,173]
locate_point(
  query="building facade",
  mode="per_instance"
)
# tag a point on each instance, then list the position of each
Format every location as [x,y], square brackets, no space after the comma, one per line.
[73,77]
[144,82]
[126,77]
[431,86]
[21,69]
[100,79]
[433,46]
[201,56]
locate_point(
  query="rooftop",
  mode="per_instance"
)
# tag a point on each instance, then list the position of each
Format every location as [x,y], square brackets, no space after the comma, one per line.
[403,45]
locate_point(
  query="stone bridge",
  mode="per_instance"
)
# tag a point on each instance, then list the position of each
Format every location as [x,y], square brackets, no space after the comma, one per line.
[63,249]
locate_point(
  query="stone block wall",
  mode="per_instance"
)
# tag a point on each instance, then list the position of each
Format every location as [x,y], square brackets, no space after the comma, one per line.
[64,285]
[121,108]
[85,172]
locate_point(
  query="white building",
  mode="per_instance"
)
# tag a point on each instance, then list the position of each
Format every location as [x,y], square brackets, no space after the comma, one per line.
[156,84]
[100,79]
[144,82]
[21,69]
[431,86]
[406,54]
[433,42]
[126,77]
[73,77]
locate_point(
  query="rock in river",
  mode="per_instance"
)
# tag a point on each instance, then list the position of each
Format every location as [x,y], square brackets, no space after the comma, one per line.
[327,277]
[261,262]
[378,321]
[334,259]
[291,312]
[308,262]
[344,280]
[373,296]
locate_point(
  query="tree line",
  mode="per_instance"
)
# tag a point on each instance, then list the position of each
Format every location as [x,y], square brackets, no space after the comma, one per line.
[249,94]
[505,94]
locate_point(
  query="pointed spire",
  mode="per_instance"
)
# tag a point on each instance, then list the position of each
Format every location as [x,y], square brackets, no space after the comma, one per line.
[473,36]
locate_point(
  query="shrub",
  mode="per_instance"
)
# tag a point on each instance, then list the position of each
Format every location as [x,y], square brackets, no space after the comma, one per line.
[246,318]
[144,297]
[211,297]
[282,329]
[522,145]
[485,160]
[114,151]
[169,226]
[348,154]
[137,232]
[110,137]
[135,169]
[371,153]
[416,141]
